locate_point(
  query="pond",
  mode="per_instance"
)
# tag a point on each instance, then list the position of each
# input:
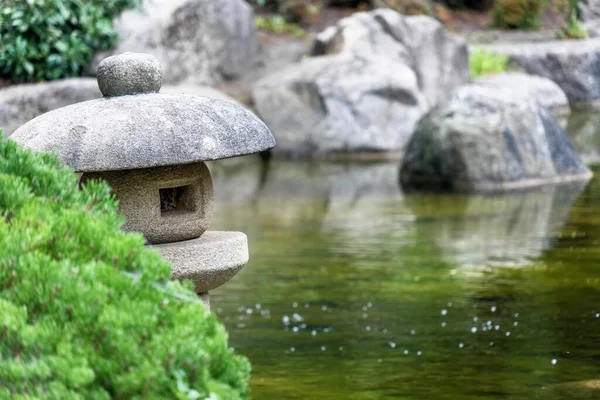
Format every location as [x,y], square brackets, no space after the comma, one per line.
[357,291]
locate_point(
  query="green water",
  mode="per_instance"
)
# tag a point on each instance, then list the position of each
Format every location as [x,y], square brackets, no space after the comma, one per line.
[356,291]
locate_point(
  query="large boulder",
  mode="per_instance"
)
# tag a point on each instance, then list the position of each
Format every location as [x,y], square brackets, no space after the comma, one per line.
[21,103]
[196,41]
[546,92]
[486,139]
[573,65]
[589,10]
[373,75]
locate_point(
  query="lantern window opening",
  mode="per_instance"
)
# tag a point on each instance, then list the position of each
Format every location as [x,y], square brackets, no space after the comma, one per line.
[177,200]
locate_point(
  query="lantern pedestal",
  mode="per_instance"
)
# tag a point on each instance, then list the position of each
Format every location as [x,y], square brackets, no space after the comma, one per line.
[208,261]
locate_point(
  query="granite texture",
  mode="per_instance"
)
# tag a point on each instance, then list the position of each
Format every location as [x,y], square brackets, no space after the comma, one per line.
[129,73]
[146,130]
[543,90]
[574,65]
[487,139]
[209,261]
[371,78]
[200,42]
[170,216]
[21,103]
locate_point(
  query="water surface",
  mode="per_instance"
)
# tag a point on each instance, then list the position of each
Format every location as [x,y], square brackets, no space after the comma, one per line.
[357,291]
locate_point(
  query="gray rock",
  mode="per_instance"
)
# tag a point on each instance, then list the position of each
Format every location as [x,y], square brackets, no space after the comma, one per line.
[165,204]
[21,103]
[325,104]
[209,261]
[485,139]
[146,130]
[573,65]
[589,10]
[129,73]
[543,90]
[196,41]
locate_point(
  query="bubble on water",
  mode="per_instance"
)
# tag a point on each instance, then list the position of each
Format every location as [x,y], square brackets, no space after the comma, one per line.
[444,312]
[379,360]
[497,327]
[516,315]
[507,333]
[475,319]
[493,308]
[460,345]
[292,349]
[367,328]
[489,323]
[449,304]
[473,330]
[295,329]
[405,351]
[491,344]
[443,324]
[365,315]
[323,348]
[241,326]
[392,345]
[297,317]
[515,323]
[306,305]
[365,308]
[419,352]
[598,315]
[554,361]
[258,306]
[369,304]
[324,308]
[412,332]
[384,330]
[314,333]
[341,348]
[295,305]
[286,320]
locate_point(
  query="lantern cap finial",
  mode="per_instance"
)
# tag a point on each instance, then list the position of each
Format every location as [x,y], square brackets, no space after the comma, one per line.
[129,74]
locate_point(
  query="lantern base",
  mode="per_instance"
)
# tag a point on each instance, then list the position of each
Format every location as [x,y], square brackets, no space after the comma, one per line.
[208,261]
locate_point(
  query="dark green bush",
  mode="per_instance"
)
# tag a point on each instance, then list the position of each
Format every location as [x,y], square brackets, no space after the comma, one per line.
[51,39]
[87,311]
[517,14]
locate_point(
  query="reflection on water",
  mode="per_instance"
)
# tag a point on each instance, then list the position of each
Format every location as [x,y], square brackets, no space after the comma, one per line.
[356,291]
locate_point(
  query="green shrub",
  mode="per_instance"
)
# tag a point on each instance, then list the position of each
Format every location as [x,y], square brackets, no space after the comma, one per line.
[87,311]
[517,14]
[483,62]
[278,24]
[51,39]
[572,28]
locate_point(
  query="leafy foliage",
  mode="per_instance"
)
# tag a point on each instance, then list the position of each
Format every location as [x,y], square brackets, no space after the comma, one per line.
[483,62]
[87,311]
[572,28]
[51,39]
[519,14]
[278,24]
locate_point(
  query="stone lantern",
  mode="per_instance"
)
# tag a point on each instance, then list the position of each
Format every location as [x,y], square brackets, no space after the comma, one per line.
[151,149]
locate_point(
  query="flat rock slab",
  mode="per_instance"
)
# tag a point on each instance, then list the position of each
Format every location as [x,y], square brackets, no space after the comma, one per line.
[543,90]
[209,261]
[146,130]
[574,65]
